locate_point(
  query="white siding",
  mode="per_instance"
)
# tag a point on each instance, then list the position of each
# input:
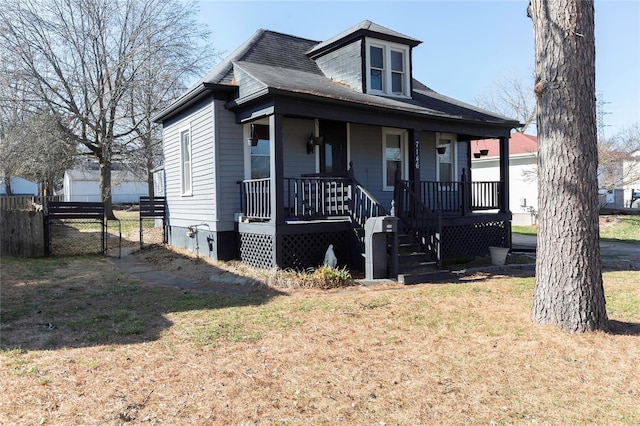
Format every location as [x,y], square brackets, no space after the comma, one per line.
[522,183]
[200,206]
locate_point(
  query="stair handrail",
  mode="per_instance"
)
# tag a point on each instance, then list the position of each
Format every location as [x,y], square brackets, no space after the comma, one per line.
[425,225]
[363,205]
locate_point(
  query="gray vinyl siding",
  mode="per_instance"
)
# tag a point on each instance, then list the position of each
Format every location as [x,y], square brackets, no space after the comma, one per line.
[344,65]
[295,134]
[428,156]
[463,159]
[247,84]
[230,166]
[366,154]
[200,206]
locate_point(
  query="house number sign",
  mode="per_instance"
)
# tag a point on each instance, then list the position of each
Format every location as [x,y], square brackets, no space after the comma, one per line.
[417,154]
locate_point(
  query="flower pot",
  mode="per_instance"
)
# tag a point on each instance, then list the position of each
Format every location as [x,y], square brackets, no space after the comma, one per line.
[476,155]
[484,152]
[498,255]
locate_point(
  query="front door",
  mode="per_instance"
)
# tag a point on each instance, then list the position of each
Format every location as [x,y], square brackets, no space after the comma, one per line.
[333,151]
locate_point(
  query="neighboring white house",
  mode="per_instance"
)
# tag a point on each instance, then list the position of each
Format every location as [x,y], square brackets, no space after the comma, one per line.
[523,181]
[631,171]
[20,186]
[84,185]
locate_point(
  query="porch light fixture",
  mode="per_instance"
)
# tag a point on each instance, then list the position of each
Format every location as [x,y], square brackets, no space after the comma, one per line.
[312,142]
[253,139]
[441,149]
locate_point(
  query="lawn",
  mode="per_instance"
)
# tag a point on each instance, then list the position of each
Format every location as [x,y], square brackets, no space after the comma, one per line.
[624,229]
[84,343]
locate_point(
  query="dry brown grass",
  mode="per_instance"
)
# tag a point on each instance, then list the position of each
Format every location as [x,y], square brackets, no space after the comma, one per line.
[427,354]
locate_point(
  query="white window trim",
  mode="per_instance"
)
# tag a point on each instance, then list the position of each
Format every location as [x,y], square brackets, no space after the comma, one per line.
[403,155]
[246,130]
[454,154]
[387,47]
[181,131]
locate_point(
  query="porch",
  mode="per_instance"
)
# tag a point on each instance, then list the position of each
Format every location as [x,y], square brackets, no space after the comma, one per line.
[445,219]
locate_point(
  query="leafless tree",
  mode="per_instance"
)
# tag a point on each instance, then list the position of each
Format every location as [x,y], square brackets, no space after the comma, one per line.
[83,58]
[510,95]
[568,290]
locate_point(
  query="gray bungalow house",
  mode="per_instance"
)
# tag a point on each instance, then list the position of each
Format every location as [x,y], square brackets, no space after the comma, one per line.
[289,145]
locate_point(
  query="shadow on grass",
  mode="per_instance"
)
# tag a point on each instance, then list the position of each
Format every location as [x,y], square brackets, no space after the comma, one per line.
[621,328]
[86,301]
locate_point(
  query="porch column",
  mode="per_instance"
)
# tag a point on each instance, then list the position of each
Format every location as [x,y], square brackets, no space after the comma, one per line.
[276,165]
[276,182]
[504,175]
[414,160]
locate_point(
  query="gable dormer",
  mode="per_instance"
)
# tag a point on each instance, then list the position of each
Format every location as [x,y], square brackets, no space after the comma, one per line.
[368,58]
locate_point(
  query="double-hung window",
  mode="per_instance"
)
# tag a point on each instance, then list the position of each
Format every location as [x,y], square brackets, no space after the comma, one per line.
[394,152]
[387,68]
[185,161]
[446,157]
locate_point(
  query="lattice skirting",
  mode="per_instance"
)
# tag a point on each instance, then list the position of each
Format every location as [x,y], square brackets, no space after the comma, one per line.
[301,251]
[256,250]
[297,251]
[474,239]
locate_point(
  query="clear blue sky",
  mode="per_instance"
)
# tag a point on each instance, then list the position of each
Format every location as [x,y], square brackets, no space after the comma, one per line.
[466,44]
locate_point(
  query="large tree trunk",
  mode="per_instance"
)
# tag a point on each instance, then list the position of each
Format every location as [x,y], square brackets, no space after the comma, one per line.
[568,289]
[105,188]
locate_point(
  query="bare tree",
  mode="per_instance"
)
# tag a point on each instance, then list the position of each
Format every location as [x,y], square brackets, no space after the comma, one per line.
[510,95]
[568,290]
[84,57]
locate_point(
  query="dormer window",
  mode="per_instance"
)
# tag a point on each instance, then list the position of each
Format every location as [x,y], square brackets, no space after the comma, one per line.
[387,66]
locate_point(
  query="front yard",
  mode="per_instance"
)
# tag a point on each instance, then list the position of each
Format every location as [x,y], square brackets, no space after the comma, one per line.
[84,343]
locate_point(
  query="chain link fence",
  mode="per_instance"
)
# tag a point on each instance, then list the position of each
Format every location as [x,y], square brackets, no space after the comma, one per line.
[79,237]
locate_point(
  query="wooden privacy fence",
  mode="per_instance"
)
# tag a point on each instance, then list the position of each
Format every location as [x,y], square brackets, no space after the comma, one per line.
[21,202]
[22,233]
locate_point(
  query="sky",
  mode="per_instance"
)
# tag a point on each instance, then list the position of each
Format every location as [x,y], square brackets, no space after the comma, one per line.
[466,45]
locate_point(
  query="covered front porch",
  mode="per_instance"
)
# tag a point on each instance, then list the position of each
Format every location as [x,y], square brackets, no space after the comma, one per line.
[318,172]
[446,219]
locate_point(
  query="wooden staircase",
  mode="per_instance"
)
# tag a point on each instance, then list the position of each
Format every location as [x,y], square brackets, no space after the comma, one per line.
[415,265]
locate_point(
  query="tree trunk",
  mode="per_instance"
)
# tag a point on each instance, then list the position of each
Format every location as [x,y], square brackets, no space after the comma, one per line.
[7,184]
[150,186]
[105,188]
[568,290]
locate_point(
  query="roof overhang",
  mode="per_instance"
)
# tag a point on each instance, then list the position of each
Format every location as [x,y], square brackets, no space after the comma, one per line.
[385,115]
[196,94]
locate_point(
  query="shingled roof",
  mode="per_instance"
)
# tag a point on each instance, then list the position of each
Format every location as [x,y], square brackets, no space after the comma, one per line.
[272,62]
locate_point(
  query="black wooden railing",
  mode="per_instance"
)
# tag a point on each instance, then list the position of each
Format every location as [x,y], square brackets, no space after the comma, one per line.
[419,220]
[461,196]
[311,198]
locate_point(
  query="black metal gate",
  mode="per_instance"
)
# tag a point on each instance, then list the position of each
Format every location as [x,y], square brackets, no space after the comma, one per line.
[152,219]
[75,228]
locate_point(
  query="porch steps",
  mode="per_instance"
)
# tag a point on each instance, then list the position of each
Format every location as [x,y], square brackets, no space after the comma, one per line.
[416,266]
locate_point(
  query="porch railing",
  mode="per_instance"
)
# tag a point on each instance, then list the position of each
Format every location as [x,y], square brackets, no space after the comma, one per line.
[312,198]
[255,198]
[462,196]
